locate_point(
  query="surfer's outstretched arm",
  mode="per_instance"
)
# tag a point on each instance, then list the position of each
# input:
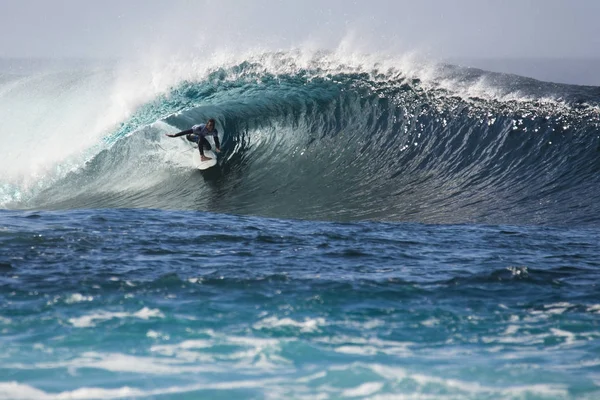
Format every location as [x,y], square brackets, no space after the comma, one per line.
[186,132]
[217,144]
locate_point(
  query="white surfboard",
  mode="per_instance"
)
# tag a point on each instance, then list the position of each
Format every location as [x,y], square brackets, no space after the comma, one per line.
[202,165]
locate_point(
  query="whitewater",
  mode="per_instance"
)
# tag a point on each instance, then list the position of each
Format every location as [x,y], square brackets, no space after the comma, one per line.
[377,227]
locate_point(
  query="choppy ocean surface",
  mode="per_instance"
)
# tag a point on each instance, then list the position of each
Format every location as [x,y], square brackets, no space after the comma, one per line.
[374,229]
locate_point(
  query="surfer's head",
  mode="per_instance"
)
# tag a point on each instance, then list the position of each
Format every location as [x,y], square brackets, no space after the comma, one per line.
[210,125]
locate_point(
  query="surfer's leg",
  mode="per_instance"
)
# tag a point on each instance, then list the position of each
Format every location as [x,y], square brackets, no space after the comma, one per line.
[203,145]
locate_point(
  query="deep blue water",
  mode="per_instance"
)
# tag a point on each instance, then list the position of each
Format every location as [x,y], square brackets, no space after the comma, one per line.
[179,304]
[367,233]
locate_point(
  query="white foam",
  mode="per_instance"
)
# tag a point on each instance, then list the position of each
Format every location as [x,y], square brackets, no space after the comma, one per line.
[388,372]
[246,352]
[78,298]
[544,390]
[367,346]
[358,350]
[368,325]
[473,387]
[569,336]
[309,378]
[118,362]
[430,322]
[171,349]
[558,308]
[308,325]
[562,304]
[422,386]
[511,330]
[594,309]
[366,389]
[43,348]
[520,339]
[69,138]
[157,335]
[18,391]
[88,321]
[588,364]
[373,323]
[399,374]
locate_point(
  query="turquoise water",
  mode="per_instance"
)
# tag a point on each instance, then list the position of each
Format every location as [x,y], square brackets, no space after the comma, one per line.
[174,304]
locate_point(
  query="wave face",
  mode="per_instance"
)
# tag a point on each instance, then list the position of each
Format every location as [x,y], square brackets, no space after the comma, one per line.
[328,140]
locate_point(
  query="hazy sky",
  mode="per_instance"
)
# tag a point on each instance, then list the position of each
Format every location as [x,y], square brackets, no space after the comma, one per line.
[444,28]
[439,29]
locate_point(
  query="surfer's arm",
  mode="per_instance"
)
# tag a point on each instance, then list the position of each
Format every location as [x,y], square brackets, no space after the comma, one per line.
[217,144]
[186,132]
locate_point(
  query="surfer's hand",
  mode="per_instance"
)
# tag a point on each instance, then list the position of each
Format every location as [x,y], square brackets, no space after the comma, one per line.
[218,150]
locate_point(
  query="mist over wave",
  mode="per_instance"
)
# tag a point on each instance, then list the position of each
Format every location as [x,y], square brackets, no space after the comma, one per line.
[325,137]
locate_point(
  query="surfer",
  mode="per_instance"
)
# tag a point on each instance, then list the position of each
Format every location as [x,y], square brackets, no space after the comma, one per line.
[198,134]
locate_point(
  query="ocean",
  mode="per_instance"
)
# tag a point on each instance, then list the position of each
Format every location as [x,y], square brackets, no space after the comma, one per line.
[375,229]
